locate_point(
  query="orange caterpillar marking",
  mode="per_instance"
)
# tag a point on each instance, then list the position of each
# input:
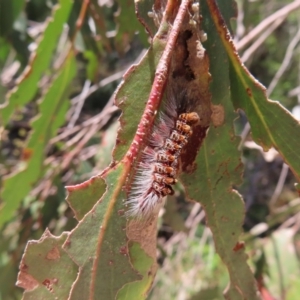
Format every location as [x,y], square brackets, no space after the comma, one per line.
[159,166]
[178,138]
[164,169]
[162,189]
[164,156]
[166,160]
[189,118]
[171,145]
[183,128]
[164,179]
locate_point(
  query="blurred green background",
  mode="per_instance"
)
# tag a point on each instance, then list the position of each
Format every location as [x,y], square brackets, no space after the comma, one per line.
[38,44]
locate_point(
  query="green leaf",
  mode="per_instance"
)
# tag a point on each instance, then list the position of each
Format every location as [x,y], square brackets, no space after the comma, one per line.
[8,277]
[53,108]
[9,11]
[108,265]
[28,86]
[211,293]
[271,124]
[142,263]
[4,50]
[97,12]
[54,279]
[92,66]
[98,245]
[218,168]
[108,142]
[83,197]
[282,263]
[128,25]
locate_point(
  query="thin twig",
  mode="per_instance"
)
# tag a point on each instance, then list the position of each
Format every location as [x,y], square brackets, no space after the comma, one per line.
[258,42]
[240,28]
[280,184]
[262,26]
[194,211]
[294,92]
[76,138]
[289,222]
[89,152]
[107,80]
[297,223]
[244,135]
[79,104]
[195,223]
[83,136]
[80,20]
[67,160]
[103,118]
[285,63]
[69,131]
[109,109]
[69,47]
[102,83]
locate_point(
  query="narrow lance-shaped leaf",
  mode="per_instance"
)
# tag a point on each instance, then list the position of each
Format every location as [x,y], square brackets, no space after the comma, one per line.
[218,168]
[40,61]
[52,110]
[8,13]
[271,124]
[55,277]
[98,246]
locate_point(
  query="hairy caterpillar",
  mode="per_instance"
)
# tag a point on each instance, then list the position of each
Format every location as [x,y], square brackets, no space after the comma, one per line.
[157,170]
